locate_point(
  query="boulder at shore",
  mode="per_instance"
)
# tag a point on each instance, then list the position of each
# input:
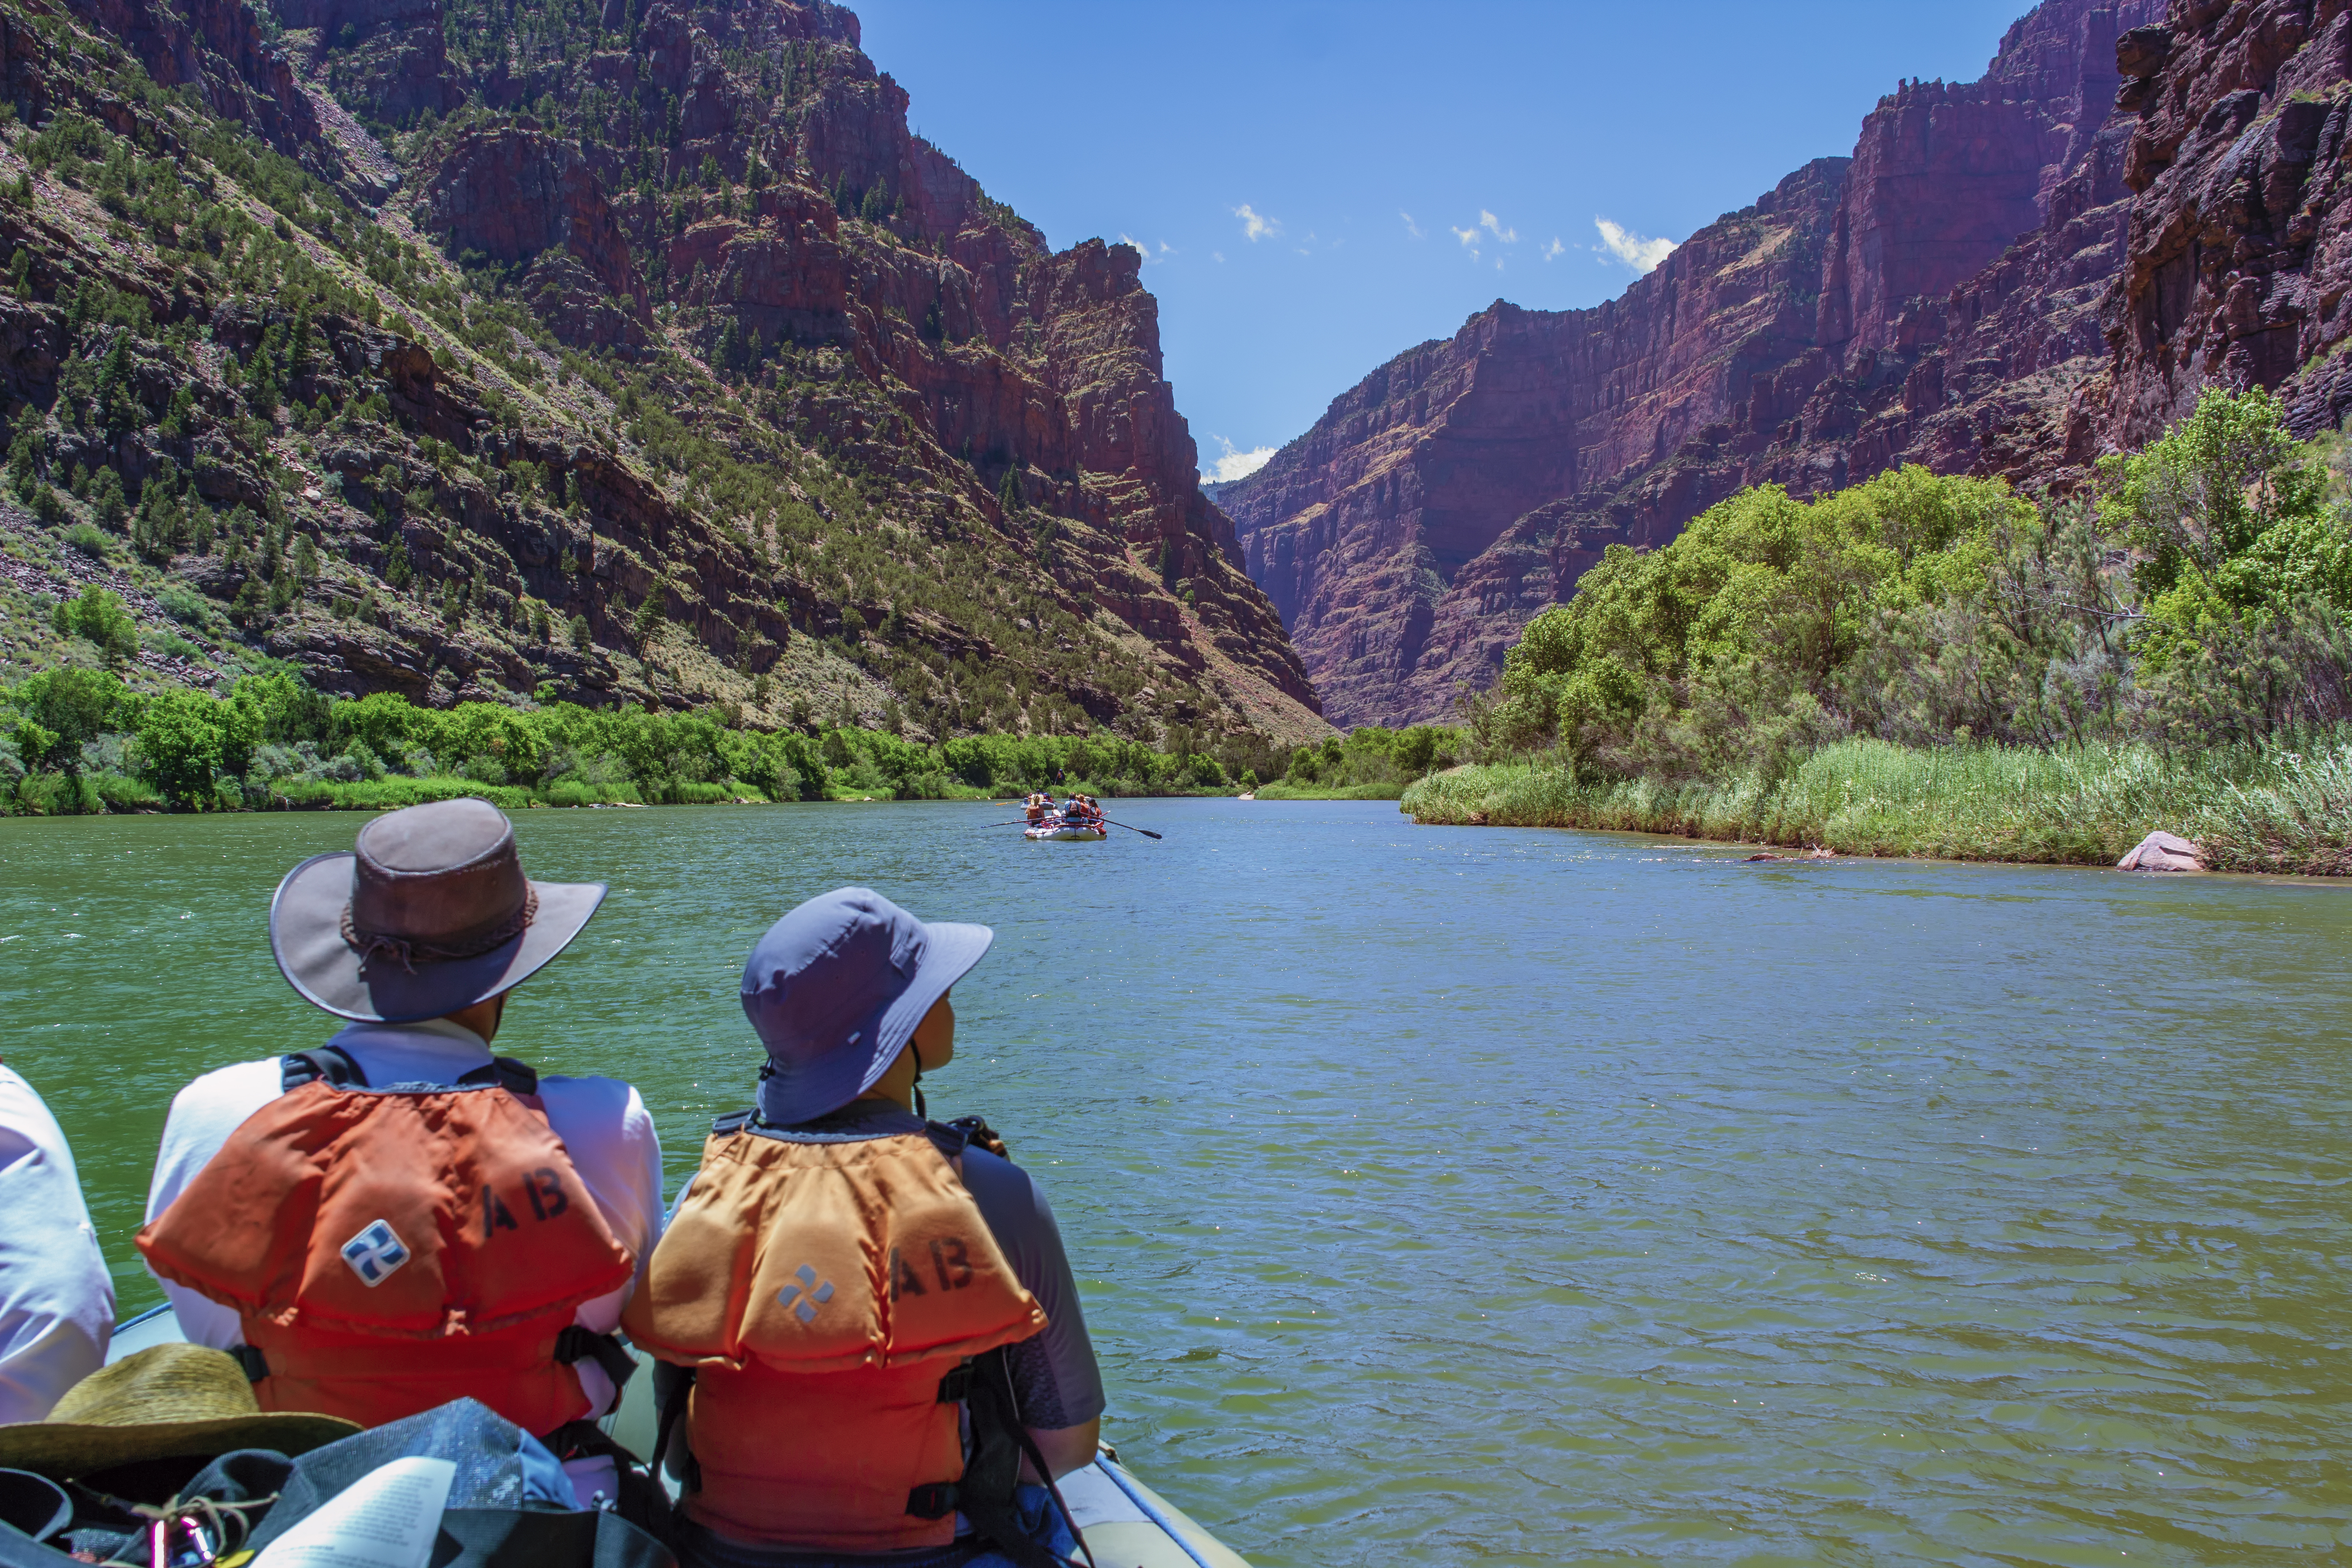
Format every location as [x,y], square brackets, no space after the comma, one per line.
[2162,851]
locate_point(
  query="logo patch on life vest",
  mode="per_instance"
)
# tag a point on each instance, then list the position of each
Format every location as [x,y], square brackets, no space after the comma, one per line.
[375,1254]
[807,1296]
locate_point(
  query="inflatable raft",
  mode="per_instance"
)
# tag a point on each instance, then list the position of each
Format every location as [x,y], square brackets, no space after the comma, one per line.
[1064,834]
[1125,1522]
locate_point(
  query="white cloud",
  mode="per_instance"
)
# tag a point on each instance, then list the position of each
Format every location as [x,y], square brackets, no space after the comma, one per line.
[1494,226]
[1234,464]
[1412,227]
[1216,255]
[1469,237]
[1149,254]
[1553,251]
[1256,225]
[1641,255]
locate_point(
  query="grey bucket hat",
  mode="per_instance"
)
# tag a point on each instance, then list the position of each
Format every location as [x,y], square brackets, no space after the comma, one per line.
[429,914]
[834,990]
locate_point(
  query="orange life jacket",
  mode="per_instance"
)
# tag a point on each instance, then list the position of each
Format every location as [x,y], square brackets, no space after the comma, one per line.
[826,1292]
[388,1251]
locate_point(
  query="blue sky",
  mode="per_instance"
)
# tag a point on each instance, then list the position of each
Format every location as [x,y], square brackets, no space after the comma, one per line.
[1320,187]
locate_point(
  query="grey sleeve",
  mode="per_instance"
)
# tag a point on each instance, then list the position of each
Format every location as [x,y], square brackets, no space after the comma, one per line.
[1054,1372]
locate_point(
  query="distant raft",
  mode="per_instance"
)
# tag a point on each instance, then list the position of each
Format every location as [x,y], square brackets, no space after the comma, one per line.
[1065,833]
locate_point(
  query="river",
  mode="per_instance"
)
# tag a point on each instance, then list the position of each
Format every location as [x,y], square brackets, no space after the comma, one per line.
[1453,1196]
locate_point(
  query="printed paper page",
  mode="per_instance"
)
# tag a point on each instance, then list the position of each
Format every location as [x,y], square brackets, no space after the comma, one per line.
[387,1519]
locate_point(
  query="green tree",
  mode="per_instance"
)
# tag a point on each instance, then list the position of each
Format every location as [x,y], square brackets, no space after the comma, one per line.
[180,746]
[2229,515]
[76,706]
[649,619]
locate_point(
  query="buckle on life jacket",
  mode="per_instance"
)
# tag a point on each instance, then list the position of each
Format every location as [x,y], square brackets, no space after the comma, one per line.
[956,1386]
[933,1499]
[249,1360]
[576,1344]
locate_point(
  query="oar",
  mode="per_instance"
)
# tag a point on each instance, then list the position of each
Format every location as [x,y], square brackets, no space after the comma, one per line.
[1145,831]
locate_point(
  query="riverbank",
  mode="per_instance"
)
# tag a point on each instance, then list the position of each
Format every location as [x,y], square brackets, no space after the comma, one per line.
[1283,789]
[2279,811]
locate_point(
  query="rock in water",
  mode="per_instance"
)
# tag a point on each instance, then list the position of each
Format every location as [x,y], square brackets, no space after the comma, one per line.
[2162,851]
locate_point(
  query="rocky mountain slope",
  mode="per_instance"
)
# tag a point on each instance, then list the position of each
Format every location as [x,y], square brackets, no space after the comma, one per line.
[2008,276]
[618,351]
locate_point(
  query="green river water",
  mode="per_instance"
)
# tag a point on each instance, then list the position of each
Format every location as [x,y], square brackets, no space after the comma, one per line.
[1477,1195]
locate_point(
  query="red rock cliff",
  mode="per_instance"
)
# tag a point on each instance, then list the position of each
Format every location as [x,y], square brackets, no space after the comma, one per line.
[1933,299]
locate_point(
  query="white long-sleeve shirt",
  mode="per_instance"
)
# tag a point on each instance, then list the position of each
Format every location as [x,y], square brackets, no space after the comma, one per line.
[57,1300]
[603,1121]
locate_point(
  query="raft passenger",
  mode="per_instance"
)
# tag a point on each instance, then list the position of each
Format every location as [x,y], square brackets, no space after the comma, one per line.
[56,1300]
[456,1187]
[762,1289]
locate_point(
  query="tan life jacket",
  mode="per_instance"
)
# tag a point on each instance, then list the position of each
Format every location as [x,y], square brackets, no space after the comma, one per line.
[388,1251]
[826,1291]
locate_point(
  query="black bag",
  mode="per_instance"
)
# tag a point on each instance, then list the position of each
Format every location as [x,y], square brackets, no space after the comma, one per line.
[500,1515]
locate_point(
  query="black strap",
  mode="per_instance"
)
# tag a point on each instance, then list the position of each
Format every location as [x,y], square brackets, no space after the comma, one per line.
[576,1344]
[514,1076]
[673,1406]
[732,1123]
[250,1360]
[330,1062]
[933,1499]
[981,1135]
[336,1066]
[992,1473]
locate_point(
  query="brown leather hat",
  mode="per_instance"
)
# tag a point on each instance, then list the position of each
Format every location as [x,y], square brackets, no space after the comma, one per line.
[430,914]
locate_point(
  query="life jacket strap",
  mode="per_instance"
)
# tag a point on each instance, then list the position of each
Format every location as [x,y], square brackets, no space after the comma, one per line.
[336,1066]
[250,1360]
[933,1499]
[330,1062]
[732,1123]
[577,1345]
[956,1386]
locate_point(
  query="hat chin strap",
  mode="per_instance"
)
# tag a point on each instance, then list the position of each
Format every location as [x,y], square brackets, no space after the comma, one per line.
[921,1108]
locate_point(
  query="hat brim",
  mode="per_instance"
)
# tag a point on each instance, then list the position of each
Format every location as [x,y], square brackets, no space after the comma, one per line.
[63,1449]
[791,1096]
[306,936]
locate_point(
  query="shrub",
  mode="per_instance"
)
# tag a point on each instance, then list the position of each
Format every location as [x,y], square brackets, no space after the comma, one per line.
[99,616]
[184,605]
[88,539]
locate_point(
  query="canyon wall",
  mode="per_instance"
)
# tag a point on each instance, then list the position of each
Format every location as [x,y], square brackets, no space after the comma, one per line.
[642,355]
[2009,276]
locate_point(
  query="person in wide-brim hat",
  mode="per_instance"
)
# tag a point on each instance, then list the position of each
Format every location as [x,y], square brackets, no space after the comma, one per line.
[418,936]
[167,1402]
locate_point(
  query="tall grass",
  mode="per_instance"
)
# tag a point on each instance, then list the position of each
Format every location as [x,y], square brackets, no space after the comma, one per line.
[2274,810]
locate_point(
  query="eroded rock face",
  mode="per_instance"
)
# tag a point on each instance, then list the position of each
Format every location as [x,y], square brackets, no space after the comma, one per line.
[2240,243]
[518,196]
[1013,370]
[215,47]
[1933,299]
